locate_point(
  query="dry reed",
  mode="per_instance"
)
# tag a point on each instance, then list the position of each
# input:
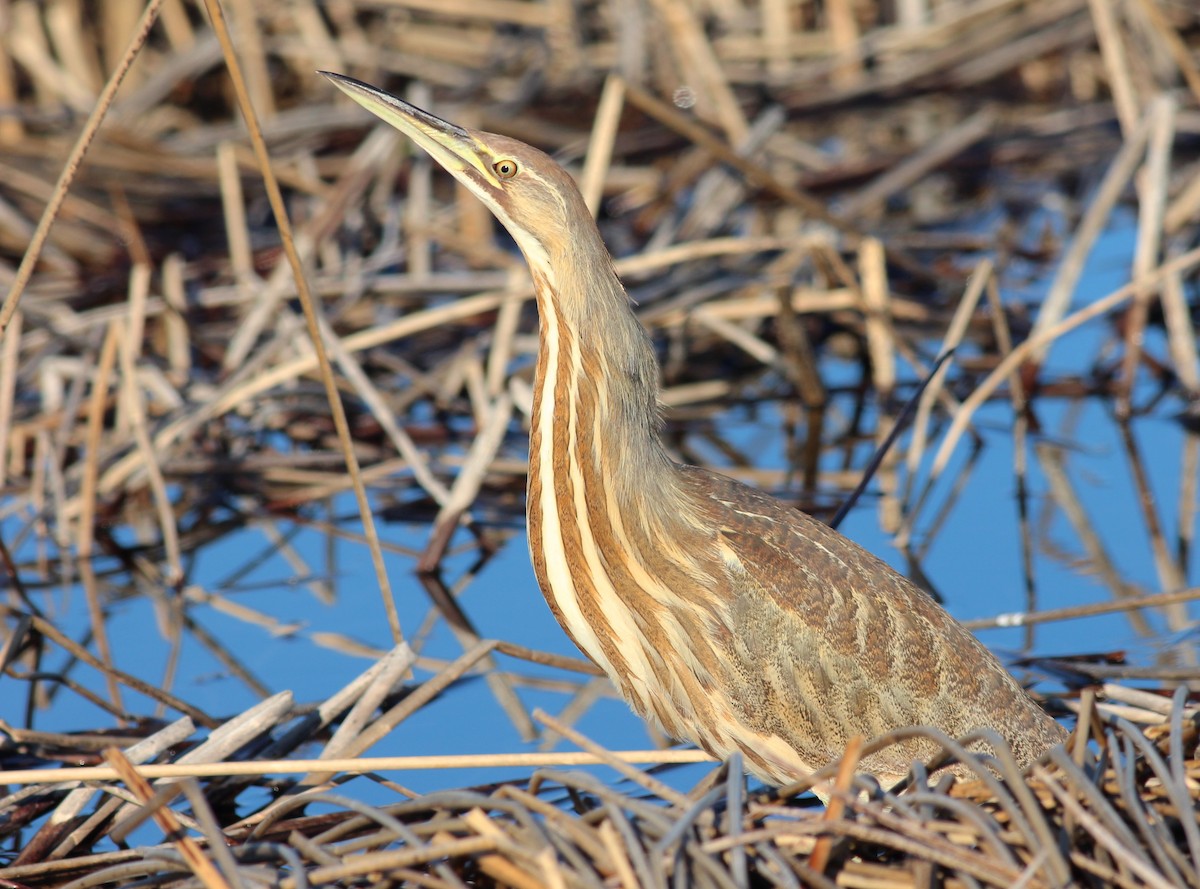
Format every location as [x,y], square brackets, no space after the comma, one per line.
[781,181]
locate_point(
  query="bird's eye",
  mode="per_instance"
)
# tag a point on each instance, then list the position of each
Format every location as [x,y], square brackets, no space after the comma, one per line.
[506,168]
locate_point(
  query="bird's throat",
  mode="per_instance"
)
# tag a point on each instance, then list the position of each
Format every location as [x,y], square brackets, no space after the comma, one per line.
[596,385]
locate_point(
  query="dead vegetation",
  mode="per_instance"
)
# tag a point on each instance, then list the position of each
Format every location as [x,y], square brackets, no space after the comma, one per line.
[782,183]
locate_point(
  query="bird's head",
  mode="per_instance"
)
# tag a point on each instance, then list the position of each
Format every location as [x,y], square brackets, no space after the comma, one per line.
[536,199]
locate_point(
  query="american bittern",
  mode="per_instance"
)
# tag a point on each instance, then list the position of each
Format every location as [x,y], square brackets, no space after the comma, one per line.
[732,620]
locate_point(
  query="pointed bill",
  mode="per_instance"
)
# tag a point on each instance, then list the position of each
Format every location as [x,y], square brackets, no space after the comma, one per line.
[451,146]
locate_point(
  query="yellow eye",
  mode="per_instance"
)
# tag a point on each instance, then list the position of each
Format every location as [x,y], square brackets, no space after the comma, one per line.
[506,168]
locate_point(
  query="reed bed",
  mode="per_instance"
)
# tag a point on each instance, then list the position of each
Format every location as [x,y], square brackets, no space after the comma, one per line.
[1118,811]
[232,300]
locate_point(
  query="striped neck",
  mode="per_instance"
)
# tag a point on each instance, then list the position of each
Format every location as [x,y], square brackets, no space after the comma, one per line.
[597,380]
[603,493]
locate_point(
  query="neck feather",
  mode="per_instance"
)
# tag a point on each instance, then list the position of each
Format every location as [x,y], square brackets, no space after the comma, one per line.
[598,374]
[610,525]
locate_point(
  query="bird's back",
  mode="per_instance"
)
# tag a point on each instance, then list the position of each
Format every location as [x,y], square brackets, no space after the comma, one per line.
[841,645]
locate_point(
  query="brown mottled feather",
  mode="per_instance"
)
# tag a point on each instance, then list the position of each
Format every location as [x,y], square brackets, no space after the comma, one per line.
[859,648]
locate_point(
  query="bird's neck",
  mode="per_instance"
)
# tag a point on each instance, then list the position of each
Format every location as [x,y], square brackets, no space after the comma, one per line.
[604,498]
[596,409]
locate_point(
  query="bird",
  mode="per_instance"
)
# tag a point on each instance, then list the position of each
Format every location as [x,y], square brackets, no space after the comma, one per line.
[732,620]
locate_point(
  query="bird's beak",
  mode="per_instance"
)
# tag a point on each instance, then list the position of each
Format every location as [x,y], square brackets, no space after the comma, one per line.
[451,146]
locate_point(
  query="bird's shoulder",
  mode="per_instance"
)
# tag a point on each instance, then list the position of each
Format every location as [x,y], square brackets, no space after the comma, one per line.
[790,554]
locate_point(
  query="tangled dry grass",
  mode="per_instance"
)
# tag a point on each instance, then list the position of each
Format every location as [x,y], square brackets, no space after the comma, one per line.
[780,181]
[1118,812]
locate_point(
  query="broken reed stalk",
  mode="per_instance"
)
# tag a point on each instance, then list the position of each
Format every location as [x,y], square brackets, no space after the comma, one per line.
[992,826]
[283,224]
[427,322]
